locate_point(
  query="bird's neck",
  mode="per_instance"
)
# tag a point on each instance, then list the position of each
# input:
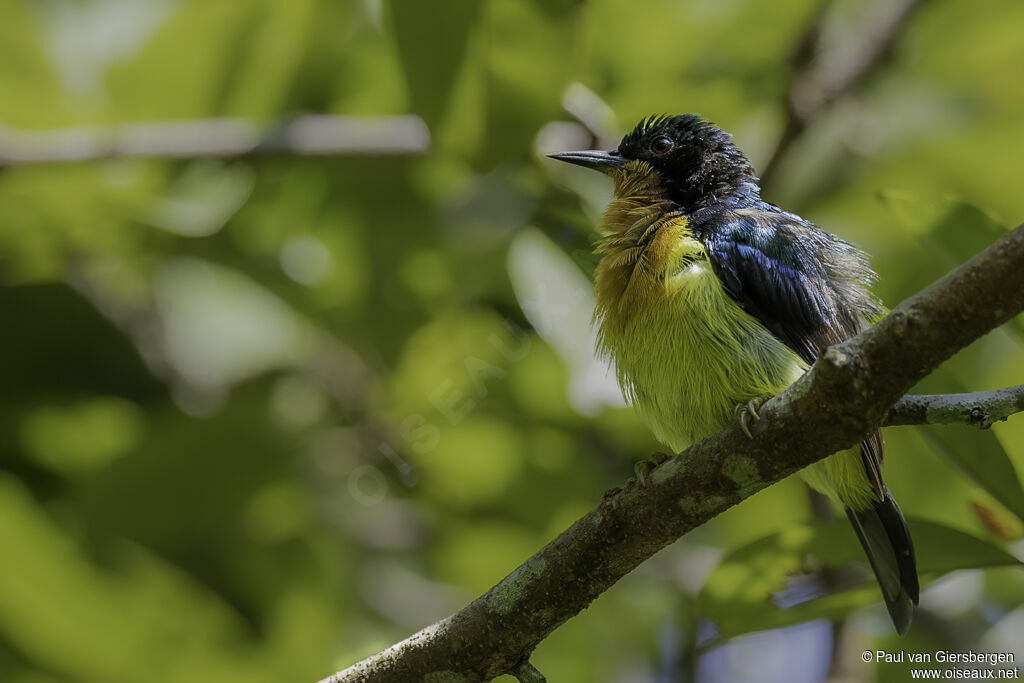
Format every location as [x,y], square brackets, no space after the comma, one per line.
[723,178]
[640,208]
[717,195]
[645,237]
[647,232]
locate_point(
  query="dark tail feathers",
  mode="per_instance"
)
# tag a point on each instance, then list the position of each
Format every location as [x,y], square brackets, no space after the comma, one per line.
[883,533]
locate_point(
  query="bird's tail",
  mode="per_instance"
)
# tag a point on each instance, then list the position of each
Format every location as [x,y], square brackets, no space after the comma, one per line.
[883,532]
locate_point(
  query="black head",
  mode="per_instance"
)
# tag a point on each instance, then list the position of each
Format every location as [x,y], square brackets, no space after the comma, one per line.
[695,160]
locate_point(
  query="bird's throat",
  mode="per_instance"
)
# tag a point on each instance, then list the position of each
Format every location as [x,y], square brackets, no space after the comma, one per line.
[645,242]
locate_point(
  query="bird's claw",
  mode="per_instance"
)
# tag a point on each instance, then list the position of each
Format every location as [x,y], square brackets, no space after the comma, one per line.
[644,468]
[744,412]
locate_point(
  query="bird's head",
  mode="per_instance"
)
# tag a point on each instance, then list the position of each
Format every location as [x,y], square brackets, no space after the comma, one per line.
[688,159]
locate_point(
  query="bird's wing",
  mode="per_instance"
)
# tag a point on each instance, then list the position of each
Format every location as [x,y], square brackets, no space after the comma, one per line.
[809,288]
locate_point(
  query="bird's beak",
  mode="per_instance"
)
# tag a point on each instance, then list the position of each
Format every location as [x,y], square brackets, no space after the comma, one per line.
[591,158]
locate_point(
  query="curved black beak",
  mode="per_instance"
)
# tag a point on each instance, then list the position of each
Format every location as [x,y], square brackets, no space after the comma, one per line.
[591,158]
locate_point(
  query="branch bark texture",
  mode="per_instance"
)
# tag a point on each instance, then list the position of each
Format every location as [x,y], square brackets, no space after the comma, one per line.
[980,409]
[849,392]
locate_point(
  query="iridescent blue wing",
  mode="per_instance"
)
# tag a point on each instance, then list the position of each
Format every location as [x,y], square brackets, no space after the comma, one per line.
[809,288]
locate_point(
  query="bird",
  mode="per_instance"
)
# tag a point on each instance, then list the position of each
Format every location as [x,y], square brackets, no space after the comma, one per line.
[710,300]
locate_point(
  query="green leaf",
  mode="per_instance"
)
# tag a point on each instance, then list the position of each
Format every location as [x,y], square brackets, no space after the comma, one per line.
[185,70]
[942,549]
[958,231]
[524,85]
[748,589]
[432,43]
[28,80]
[954,228]
[272,60]
[84,621]
[965,230]
[981,457]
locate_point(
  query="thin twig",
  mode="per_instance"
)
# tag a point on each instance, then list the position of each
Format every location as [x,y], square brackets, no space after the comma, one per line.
[846,665]
[980,409]
[527,673]
[818,83]
[308,135]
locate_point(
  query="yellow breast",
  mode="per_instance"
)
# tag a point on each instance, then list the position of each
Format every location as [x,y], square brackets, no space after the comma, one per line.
[685,353]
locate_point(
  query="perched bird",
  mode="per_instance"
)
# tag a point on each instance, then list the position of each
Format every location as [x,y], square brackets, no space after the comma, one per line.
[710,300]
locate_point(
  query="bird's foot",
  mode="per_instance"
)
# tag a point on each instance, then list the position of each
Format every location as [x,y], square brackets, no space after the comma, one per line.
[747,411]
[644,468]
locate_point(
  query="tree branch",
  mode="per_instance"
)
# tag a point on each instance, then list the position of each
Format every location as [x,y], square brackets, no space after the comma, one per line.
[848,392]
[981,409]
[819,82]
[307,135]
[528,674]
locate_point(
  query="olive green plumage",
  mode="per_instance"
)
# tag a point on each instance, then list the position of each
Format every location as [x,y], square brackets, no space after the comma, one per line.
[708,296]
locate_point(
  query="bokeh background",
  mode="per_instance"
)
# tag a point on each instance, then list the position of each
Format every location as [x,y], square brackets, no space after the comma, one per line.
[296,359]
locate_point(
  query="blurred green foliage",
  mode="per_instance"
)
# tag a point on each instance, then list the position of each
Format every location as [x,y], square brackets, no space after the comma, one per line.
[261,417]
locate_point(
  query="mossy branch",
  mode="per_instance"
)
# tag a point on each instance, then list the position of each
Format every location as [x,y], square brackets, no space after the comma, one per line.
[980,409]
[848,393]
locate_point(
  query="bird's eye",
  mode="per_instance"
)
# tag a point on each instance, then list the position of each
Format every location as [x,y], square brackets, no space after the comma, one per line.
[661,145]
